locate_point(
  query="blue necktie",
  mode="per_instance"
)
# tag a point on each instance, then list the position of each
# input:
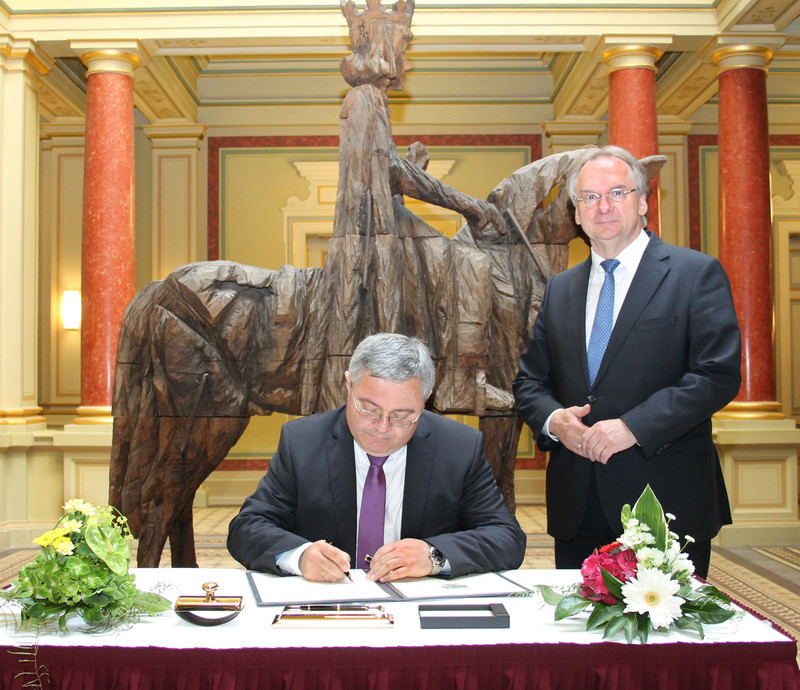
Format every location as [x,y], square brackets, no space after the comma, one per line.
[373,510]
[603,320]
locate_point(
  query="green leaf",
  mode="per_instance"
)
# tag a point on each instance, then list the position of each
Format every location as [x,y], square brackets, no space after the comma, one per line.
[151,603]
[571,605]
[648,510]
[615,626]
[709,611]
[613,585]
[631,627]
[643,623]
[602,614]
[713,593]
[690,623]
[110,547]
[549,595]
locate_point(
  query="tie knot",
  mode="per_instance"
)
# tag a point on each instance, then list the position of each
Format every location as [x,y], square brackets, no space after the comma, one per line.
[377,462]
[609,265]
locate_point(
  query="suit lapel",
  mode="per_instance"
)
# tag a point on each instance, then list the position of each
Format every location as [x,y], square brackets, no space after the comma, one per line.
[576,331]
[342,473]
[419,471]
[651,272]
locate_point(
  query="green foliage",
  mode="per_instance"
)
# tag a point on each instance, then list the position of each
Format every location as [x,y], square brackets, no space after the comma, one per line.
[82,570]
[648,511]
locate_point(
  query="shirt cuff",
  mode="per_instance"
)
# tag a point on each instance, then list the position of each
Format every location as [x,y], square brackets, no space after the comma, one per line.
[289,561]
[546,427]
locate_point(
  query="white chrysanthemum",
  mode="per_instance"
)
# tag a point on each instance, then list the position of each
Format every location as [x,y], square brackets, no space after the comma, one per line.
[652,592]
[650,557]
[636,535]
[682,564]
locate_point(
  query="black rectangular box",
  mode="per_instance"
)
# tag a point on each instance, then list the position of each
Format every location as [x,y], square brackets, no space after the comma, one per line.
[458,616]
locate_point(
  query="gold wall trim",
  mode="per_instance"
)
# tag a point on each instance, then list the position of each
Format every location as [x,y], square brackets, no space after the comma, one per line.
[21,415]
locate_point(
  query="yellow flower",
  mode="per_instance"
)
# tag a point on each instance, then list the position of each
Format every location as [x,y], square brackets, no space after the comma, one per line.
[72,526]
[73,504]
[50,536]
[64,546]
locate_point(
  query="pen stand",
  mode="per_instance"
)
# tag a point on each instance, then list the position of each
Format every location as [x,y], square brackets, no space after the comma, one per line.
[192,608]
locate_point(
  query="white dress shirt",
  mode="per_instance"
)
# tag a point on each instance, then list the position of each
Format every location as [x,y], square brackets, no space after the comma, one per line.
[629,260]
[394,469]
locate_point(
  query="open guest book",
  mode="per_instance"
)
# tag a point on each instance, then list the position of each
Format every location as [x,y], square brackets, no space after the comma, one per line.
[274,590]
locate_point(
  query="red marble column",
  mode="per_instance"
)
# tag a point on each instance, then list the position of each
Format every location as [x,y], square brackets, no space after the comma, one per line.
[632,118]
[108,250]
[745,216]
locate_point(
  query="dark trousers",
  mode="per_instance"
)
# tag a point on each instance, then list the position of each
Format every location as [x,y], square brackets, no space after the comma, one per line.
[595,532]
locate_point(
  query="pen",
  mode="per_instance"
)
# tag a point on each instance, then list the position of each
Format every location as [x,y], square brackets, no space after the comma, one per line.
[346,572]
[327,607]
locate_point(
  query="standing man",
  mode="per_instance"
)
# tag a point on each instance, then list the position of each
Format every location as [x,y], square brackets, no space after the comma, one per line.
[378,484]
[631,354]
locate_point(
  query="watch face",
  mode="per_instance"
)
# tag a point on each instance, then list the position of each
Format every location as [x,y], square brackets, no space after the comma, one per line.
[436,556]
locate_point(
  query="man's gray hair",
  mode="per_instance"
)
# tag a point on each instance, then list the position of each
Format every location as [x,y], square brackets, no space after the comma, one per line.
[593,152]
[396,358]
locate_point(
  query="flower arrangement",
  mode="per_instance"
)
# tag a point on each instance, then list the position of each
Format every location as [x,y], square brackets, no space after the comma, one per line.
[642,581]
[82,569]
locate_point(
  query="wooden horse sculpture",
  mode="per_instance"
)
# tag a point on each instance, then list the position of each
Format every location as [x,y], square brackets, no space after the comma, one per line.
[216,342]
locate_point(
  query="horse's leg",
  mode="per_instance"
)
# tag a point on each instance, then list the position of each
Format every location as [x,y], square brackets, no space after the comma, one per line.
[181,538]
[197,447]
[501,436]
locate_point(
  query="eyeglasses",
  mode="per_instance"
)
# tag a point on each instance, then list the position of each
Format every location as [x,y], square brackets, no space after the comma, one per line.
[375,417]
[615,196]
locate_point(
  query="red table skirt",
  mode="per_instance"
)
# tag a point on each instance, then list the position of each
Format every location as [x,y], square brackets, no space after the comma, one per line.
[749,666]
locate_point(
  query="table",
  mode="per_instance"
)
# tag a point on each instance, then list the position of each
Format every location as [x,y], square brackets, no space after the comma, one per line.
[166,652]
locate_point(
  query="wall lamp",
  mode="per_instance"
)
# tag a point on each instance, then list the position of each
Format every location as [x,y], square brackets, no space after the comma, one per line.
[71,310]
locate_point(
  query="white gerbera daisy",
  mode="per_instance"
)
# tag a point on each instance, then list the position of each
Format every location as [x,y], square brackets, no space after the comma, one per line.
[652,592]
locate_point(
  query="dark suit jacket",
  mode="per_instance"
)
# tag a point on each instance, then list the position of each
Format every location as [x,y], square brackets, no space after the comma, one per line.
[309,493]
[674,359]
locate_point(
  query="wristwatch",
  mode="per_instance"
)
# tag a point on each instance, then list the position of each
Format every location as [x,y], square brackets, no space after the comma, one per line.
[437,558]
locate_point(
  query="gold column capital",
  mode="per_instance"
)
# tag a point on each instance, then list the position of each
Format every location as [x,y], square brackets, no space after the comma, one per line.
[122,57]
[633,55]
[739,56]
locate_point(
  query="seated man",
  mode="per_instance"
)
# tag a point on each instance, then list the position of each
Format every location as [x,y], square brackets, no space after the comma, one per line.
[407,490]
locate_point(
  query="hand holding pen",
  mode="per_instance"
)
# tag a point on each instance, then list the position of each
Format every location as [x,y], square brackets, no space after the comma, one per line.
[323,562]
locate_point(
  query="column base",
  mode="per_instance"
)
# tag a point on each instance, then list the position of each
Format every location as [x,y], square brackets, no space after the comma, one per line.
[529,487]
[759,534]
[94,414]
[759,462]
[86,453]
[751,411]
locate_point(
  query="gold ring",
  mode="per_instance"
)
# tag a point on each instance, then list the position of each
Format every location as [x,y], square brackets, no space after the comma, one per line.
[579,446]
[323,573]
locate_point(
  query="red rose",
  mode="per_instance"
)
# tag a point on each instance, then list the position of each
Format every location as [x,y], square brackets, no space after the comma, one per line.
[619,562]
